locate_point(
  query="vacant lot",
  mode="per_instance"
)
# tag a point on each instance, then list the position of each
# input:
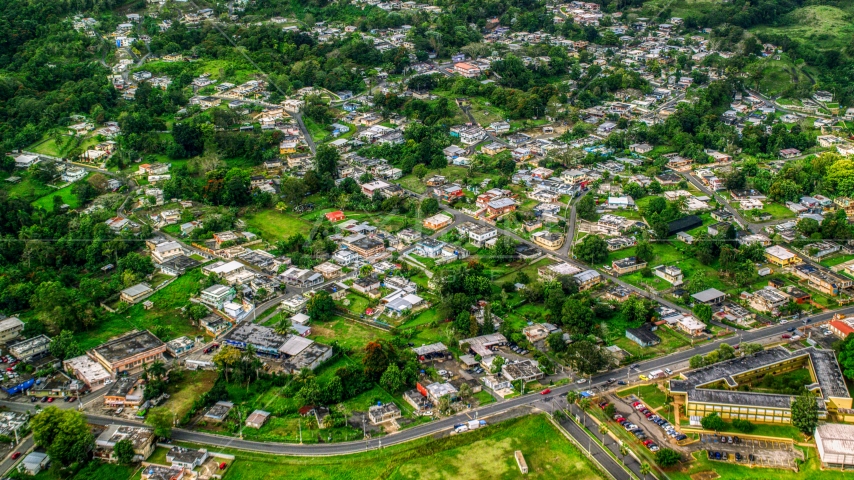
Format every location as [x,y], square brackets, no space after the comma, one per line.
[274,226]
[482,454]
[190,387]
[46,202]
[651,395]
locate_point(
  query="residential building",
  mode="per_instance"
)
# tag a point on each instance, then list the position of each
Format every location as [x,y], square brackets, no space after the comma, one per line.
[709,296]
[366,247]
[768,299]
[257,419]
[587,279]
[383,412]
[217,295]
[219,411]
[10,328]
[141,438]
[136,293]
[180,346]
[129,353]
[31,349]
[669,273]
[549,240]
[438,221]
[500,206]
[188,458]
[822,279]
[34,463]
[265,340]
[467,69]
[627,265]
[690,325]
[781,256]
[525,370]
[643,336]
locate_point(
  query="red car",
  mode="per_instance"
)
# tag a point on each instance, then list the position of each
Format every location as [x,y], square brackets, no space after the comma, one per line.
[647,442]
[222,466]
[635,404]
[49,399]
[620,419]
[16,455]
[546,391]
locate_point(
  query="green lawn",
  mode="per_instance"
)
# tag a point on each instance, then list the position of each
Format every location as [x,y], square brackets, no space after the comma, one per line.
[318,132]
[26,189]
[484,454]
[46,202]
[94,470]
[483,397]
[651,395]
[274,226]
[823,26]
[166,312]
[836,260]
[348,333]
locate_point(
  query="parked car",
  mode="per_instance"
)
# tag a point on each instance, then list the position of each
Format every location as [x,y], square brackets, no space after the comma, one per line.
[546,391]
[738,456]
[49,399]
[621,382]
[222,466]
[668,371]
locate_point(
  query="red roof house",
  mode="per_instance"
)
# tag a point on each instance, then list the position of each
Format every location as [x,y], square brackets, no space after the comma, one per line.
[336,216]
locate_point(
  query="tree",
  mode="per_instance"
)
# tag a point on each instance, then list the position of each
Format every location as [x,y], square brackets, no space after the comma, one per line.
[587,358]
[392,379]
[556,342]
[465,392]
[429,206]
[643,252]
[326,161]
[750,348]
[610,410]
[63,346]
[226,359]
[697,361]
[586,208]
[805,413]
[846,356]
[320,307]
[603,429]
[293,192]
[63,433]
[379,354]
[592,249]
[160,419]
[667,457]
[123,451]
[645,470]
[420,171]
[703,312]
[497,363]
[713,422]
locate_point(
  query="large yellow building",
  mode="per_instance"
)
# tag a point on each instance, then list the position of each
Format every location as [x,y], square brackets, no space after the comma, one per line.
[714,389]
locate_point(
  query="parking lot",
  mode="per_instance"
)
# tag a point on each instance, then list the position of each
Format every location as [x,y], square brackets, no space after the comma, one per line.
[651,430]
[766,453]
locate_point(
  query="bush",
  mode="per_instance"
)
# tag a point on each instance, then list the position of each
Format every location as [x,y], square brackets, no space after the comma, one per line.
[743,426]
[667,457]
[713,422]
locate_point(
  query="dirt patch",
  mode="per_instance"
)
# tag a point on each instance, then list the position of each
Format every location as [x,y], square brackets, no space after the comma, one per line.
[322,331]
[709,475]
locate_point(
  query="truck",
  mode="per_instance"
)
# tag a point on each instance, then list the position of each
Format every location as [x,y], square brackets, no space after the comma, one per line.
[475,424]
[461,427]
[656,374]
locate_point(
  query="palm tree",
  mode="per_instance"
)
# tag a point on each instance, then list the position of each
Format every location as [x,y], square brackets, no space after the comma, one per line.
[584,403]
[571,396]
[603,429]
[624,450]
[645,470]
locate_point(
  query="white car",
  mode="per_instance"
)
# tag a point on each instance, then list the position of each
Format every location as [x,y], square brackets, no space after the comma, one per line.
[581,380]
[668,371]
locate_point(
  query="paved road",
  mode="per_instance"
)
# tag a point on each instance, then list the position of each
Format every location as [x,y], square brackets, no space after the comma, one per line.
[23,447]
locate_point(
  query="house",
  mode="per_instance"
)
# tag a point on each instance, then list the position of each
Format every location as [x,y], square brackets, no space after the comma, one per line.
[328,269]
[621,202]
[549,240]
[383,413]
[640,148]
[525,370]
[709,296]
[34,463]
[627,265]
[188,458]
[467,69]
[768,299]
[10,328]
[335,216]
[781,256]
[366,284]
[438,221]
[217,295]
[136,293]
[669,273]
[690,325]
[643,336]
[129,353]
[500,206]
[141,438]
[587,279]
[257,419]
[180,346]
[822,279]
[166,250]
[535,332]
[366,247]
[219,411]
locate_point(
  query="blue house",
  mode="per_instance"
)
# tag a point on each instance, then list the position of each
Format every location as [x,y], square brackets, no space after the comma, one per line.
[350,107]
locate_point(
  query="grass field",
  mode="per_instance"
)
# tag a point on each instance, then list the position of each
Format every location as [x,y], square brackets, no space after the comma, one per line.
[184,393]
[46,202]
[26,189]
[823,26]
[347,333]
[777,75]
[651,395]
[274,226]
[318,132]
[94,470]
[166,312]
[481,454]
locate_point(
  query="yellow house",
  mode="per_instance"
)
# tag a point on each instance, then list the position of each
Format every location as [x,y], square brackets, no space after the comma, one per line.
[781,256]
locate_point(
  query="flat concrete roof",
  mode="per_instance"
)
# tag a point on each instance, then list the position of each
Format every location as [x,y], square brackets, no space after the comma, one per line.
[128,346]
